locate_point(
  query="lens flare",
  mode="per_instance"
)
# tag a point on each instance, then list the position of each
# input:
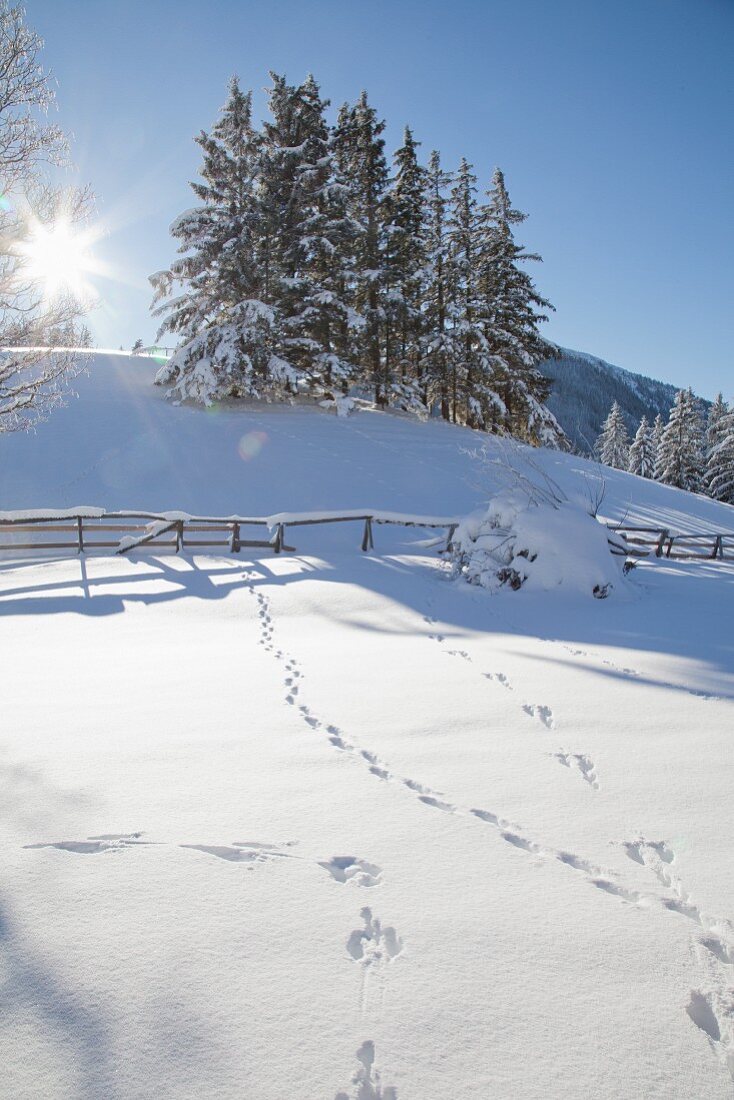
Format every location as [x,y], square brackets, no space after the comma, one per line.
[58,258]
[251,444]
[5,203]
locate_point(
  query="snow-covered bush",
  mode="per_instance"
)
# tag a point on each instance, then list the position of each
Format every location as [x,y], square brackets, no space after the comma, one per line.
[537,542]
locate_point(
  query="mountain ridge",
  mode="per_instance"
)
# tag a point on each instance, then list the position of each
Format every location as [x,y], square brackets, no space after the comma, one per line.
[584,387]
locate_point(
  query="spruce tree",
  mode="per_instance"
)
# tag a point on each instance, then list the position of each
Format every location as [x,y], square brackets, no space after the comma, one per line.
[714,426]
[512,313]
[438,350]
[472,367]
[720,462]
[642,451]
[310,235]
[360,156]
[680,458]
[405,264]
[658,427]
[612,446]
[227,332]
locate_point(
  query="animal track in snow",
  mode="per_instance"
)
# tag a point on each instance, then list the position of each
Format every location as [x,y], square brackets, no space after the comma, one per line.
[713,1013]
[362,940]
[619,891]
[582,763]
[603,660]
[105,842]
[459,653]
[711,1009]
[437,803]
[633,672]
[498,677]
[347,869]
[293,681]
[366,1078]
[541,712]
[373,948]
[250,852]
[657,856]
[373,945]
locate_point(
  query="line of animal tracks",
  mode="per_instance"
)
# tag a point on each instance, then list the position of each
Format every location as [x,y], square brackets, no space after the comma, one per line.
[374,946]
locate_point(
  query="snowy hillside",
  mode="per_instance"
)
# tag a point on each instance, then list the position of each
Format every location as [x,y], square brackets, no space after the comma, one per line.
[584,388]
[121,444]
[330,825]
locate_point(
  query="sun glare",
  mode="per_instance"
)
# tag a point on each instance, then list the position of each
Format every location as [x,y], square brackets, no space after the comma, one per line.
[58,258]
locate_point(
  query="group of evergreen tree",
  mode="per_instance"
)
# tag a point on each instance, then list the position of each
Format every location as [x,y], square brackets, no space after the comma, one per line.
[310,265]
[690,451]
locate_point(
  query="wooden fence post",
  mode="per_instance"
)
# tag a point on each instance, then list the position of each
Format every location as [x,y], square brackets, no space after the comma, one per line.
[179,535]
[670,546]
[661,543]
[449,539]
[367,540]
[718,548]
[234,544]
[79,535]
[279,538]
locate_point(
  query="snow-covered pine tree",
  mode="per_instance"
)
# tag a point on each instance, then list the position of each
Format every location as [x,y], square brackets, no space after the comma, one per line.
[720,462]
[213,298]
[309,235]
[360,157]
[438,350]
[642,451]
[474,401]
[714,424]
[405,268]
[658,427]
[512,311]
[612,446]
[680,457]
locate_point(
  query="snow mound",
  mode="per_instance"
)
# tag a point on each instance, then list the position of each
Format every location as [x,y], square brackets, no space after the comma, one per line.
[540,545]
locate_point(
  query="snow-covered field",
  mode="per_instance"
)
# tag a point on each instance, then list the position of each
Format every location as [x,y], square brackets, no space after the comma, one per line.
[329,824]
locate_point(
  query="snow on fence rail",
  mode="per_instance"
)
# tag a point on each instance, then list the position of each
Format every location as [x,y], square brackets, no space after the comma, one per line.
[174,530]
[128,531]
[663,542]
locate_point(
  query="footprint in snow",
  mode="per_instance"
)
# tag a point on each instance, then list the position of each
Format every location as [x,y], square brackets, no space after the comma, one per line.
[374,945]
[93,845]
[581,763]
[498,677]
[244,851]
[541,712]
[713,1014]
[346,869]
[366,1078]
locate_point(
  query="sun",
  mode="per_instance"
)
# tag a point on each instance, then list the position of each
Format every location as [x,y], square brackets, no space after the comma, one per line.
[58,258]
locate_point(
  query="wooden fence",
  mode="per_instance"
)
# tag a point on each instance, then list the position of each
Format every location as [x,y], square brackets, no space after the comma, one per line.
[125,531]
[662,542]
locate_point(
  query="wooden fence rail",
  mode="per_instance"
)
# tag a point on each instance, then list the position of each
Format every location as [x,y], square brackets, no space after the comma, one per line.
[135,530]
[662,542]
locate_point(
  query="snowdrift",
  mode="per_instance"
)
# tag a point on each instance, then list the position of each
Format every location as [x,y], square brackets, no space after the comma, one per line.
[539,545]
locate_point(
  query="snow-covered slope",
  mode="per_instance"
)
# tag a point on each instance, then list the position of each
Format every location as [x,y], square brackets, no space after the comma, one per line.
[330,825]
[584,388]
[120,444]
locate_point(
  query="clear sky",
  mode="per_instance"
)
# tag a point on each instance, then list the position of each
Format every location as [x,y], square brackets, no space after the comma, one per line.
[612,120]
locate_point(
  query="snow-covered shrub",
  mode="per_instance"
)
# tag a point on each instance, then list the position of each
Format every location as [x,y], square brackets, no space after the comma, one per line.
[536,542]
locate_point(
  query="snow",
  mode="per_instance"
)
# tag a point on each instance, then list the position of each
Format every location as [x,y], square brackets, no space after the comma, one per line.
[539,544]
[331,824]
[17,515]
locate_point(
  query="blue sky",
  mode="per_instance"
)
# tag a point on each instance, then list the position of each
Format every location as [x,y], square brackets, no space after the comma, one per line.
[611,120]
